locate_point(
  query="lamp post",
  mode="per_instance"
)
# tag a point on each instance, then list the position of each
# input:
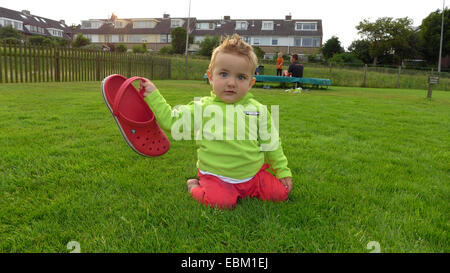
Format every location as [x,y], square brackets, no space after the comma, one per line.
[436,80]
[187,43]
[442,34]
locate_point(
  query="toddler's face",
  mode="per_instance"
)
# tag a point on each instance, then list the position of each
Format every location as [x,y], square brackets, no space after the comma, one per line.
[231,77]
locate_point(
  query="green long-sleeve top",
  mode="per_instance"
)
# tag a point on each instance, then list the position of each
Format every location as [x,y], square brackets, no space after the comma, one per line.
[223,146]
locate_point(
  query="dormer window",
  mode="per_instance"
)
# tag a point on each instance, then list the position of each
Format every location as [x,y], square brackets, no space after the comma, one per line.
[91,24]
[55,32]
[120,24]
[10,22]
[205,26]
[143,24]
[176,23]
[267,25]
[241,25]
[306,26]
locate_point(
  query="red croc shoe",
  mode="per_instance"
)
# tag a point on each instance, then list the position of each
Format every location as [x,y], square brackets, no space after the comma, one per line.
[134,117]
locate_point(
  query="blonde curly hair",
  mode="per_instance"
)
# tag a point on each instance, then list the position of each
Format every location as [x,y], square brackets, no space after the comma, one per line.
[235,45]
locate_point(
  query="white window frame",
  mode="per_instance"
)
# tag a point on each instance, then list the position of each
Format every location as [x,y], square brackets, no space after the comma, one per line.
[55,32]
[267,25]
[93,24]
[176,23]
[274,40]
[240,25]
[143,24]
[11,22]
[305,23]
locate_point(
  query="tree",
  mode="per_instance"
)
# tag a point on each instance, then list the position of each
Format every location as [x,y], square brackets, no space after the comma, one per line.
[81,41]
[430,35]
[179,40]
[360,48]
[121,48]
[345,58]
[259,52]
[331,47]
[10,32]
[387,36]
[208,44]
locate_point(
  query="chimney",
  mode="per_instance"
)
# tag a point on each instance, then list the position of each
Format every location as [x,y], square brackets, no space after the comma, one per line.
[166,16]
[27,12]
[288,17]
[227,18]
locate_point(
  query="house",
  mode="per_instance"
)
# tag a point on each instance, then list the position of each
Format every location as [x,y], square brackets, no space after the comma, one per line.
[30,24]
[289,36]
[154,32]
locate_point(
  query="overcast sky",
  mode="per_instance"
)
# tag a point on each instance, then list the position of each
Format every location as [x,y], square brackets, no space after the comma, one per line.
[339,17]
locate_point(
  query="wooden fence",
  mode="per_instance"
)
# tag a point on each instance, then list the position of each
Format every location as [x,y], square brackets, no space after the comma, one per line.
[20,63]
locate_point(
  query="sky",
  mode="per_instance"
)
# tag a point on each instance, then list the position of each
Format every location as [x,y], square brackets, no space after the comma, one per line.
[339,17]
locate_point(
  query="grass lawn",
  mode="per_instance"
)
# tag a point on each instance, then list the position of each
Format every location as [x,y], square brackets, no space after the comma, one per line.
[368,165]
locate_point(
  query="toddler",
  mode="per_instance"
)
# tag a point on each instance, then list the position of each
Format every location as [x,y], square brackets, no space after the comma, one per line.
[228,169]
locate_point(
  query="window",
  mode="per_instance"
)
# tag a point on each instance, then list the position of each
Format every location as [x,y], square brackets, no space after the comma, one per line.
[205,26]
[10,22]
[176,23]
[246,39]
[242,25]
[55,32]
[134,38]
[267,25]
[274,41]
[307,41]
[316,42]
[121,38]
[163,38]
[91,24]
[143,24]
[306,26]
[120,24]
[256,41]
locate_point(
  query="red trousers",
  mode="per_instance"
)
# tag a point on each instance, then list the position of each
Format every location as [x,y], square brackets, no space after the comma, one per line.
[217,193]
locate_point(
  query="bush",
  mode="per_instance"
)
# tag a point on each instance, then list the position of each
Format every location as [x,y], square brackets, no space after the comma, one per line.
[168,50]
[346,57]
[207,45]
[138,49]
[11,40]
[10,32]
[94,47]
[259,52]
[121,48]
[81,41]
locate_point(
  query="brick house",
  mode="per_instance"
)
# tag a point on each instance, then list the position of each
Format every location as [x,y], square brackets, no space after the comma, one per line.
[29,24]
[289,36]
[154,32]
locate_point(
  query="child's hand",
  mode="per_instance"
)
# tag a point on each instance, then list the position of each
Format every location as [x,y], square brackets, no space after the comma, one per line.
[149,87]
[287,182]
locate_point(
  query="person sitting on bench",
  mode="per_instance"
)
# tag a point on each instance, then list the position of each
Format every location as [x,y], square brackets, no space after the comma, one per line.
[296,68]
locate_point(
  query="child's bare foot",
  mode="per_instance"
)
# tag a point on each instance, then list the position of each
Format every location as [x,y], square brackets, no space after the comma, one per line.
[192,183]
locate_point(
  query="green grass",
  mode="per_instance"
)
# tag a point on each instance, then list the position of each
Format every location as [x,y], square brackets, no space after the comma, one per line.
[368,165]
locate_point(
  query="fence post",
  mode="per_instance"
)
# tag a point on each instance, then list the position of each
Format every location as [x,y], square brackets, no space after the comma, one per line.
[398,75]
[430,88]
[57,77]
[169,62]
[1,71]
[97,77]
[365,76]
[329,65]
